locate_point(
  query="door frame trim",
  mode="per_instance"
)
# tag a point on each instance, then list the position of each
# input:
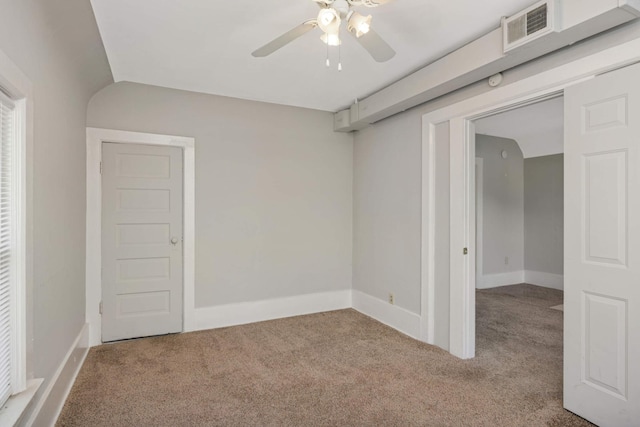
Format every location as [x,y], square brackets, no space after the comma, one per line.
[93,282]
[479,164]
[539,86]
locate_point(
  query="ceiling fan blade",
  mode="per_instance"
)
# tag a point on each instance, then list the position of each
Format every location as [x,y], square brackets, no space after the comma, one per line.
[285,39]
[368,3]
[376,46]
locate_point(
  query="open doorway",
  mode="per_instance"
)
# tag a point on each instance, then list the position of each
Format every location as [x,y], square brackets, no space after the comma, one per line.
[519,253]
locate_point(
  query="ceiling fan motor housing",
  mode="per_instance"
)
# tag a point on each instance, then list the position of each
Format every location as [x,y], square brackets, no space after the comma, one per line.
[342,7]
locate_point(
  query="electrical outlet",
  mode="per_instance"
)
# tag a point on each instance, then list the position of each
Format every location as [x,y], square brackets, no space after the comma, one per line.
[391,299]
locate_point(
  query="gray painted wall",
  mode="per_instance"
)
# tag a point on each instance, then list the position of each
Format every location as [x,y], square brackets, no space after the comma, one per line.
[387,205]
[503,201]
[273,189]
[387,179]
[544,214]
[57,45]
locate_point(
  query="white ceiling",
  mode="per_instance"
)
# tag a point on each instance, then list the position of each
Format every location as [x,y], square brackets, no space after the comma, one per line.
[205,45]
[538,128]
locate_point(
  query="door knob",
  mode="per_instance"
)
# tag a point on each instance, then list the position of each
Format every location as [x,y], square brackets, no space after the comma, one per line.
[174,240]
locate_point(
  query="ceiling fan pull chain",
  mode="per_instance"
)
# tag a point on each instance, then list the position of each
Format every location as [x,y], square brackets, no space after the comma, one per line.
[339,53]
[328,62]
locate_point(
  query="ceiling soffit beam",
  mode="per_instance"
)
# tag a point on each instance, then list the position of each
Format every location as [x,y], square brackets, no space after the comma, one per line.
[483,58]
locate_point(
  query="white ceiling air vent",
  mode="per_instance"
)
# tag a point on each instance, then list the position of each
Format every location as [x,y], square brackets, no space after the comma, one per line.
[530,24]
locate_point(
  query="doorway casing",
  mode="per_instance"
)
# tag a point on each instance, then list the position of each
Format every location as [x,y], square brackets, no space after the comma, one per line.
[460,116]
[93,284]
[479,224]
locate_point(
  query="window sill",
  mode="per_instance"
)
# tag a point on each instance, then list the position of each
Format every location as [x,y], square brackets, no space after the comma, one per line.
[15,407]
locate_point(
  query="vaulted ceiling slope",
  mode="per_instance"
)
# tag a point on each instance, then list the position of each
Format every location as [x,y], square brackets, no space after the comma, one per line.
[537,128]
[205,45]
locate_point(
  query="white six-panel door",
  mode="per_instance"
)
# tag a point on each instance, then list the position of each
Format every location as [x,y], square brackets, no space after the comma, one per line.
[602,249]
[141,240]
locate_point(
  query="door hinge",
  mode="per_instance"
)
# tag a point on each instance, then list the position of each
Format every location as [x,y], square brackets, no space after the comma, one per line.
[465,251]
[100,307]
[100,168]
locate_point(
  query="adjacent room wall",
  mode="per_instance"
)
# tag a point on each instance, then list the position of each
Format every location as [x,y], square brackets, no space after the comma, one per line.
[544,220]
[273,189]
[522,216]
[503,213]
[57,46]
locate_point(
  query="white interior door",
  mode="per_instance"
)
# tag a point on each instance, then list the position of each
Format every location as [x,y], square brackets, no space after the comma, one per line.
[602,249]
[141,240]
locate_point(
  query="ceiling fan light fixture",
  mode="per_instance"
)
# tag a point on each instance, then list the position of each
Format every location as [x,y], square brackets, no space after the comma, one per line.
[329,20]
[359,24]
[331,39]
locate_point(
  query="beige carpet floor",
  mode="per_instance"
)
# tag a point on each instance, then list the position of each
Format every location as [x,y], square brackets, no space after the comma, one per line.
[334,369]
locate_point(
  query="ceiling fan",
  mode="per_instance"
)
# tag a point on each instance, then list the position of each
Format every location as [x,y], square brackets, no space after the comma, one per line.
[332,14]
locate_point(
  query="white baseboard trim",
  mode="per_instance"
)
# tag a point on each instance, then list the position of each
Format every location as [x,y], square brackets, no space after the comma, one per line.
[501,279]
[259,311]
[48,408]
[396,317]
[547,280]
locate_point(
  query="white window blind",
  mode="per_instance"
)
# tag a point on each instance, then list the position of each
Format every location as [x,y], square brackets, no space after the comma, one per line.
[7,241]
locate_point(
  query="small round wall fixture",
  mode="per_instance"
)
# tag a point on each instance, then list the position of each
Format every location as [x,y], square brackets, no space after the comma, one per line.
[504,154]
[495,80]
